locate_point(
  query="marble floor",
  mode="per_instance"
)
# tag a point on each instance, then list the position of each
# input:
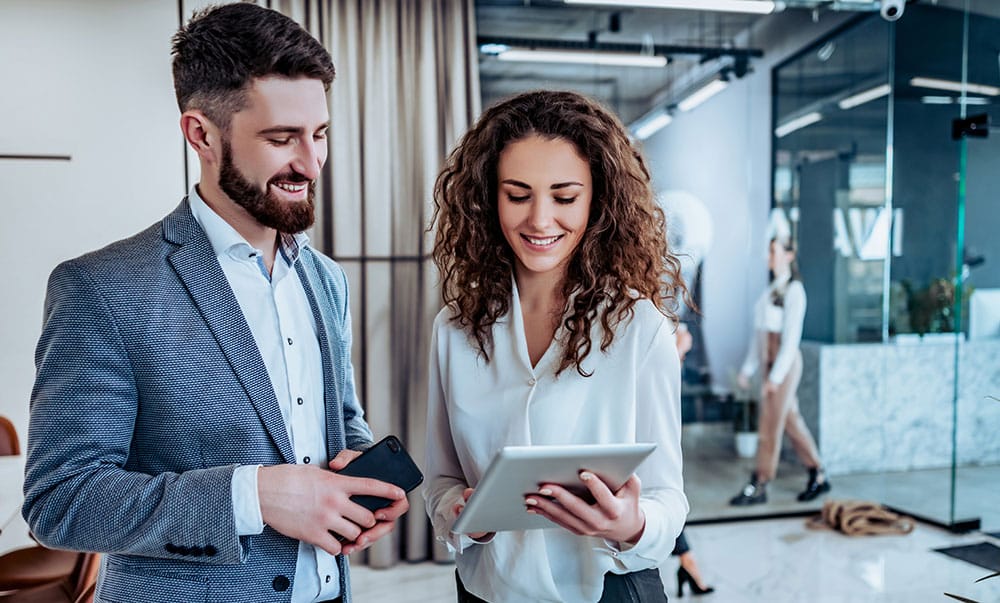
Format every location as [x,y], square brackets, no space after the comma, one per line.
[767,561]
[713,473]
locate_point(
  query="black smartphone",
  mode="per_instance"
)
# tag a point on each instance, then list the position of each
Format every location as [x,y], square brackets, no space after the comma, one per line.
[386,461]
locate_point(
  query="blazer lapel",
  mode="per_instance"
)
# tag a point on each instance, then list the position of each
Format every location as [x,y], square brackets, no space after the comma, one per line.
[199,270]
[332,379]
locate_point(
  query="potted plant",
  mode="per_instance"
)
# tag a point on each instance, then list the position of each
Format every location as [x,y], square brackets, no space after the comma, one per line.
[745,424]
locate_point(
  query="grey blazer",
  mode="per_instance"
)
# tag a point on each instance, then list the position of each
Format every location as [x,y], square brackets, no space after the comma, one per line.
[150,390]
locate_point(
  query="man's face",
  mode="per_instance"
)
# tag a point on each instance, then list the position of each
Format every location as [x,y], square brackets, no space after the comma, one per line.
[274,152]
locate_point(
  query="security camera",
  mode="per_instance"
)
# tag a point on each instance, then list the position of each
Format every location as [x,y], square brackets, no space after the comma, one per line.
[892,10]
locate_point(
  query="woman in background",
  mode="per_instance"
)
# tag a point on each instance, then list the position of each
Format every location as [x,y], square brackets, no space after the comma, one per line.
[557,329]
[778,317]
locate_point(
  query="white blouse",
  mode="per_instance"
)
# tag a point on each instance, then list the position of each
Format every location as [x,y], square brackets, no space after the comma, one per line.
[475,408]
[786,320]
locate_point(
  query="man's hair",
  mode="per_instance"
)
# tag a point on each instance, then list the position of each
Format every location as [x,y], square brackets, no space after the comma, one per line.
[622,257]
[222,49]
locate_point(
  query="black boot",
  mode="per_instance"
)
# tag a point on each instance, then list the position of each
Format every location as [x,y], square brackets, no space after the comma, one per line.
[817,485]
[754,493]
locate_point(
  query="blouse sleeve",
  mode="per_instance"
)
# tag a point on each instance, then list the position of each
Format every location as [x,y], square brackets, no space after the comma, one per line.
[658,419]
[791,332]
[446,480]
[752,361]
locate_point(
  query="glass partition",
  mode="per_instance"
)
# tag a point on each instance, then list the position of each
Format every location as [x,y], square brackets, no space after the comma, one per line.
[891,199]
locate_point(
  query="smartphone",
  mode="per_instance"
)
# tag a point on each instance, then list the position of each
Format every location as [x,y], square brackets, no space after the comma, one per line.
[386,461]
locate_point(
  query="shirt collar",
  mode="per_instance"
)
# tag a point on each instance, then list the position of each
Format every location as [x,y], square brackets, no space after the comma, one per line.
[226,241]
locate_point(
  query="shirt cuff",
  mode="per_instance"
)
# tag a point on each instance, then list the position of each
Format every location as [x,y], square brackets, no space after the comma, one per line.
[246,501]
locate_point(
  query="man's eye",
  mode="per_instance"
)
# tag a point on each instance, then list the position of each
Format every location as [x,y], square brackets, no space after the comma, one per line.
[320,135]
[278,142]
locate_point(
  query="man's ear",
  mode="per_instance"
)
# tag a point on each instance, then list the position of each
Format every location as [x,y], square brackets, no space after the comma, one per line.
[203,135]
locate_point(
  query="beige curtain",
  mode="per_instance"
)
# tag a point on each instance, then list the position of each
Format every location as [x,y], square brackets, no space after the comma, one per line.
[407,88]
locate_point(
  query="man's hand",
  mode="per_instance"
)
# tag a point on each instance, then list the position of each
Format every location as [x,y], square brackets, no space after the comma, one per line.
[614,516]
[385,518]
[307,503]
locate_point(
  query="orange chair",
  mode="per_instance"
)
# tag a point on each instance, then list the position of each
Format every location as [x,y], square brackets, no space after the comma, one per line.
[33,566]
[78,587]
[9,446]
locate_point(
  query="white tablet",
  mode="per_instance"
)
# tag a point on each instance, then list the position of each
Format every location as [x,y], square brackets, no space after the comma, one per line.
[498,502]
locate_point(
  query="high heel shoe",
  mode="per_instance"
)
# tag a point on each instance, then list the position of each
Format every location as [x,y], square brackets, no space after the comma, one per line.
[696,589]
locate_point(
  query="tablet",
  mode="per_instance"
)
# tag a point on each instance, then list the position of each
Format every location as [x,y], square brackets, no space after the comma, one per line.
[498,502]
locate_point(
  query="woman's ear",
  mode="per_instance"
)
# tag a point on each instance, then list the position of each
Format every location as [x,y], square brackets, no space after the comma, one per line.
[202,135]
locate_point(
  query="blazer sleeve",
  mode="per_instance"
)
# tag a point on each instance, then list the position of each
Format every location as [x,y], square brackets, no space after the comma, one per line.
[78,493]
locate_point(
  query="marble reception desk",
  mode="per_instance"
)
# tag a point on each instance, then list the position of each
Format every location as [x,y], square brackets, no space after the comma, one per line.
[888,407]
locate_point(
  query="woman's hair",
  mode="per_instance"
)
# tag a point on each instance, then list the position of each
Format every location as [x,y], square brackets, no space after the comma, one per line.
[622,257]
[778,295]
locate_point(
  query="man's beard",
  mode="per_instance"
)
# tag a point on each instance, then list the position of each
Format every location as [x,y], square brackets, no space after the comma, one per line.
[283,216]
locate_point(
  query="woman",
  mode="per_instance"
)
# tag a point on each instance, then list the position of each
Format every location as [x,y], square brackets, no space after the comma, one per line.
[557,329]
[778,317]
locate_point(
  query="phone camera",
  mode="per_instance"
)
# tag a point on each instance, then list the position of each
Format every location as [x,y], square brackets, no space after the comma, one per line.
[393,446]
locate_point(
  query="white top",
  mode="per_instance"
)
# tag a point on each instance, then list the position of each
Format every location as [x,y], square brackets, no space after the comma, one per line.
[474,409]
[786,320]
[277,310]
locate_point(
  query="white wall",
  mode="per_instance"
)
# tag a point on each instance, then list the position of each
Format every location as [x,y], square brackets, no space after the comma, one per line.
[721,152]
[91,80]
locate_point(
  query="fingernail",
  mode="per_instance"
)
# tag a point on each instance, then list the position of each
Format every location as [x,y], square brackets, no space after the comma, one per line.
[530,501]
[380,517]
[533,512]
[545,492]
[586,475]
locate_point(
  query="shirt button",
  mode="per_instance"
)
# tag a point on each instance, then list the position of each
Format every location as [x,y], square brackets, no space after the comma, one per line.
[300,401]
[306,460]
[289,341]
[531,381]
[328,578]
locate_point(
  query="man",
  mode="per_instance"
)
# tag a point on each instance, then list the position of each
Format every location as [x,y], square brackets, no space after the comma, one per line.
[194,380]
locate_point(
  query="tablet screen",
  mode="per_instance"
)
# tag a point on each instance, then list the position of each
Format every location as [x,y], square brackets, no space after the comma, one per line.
[498,502]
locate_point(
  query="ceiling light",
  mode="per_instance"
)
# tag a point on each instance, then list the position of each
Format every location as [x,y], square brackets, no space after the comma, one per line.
[650,124]
[702,94]
[864,96]
[797,124]
[947,100]
[588,57]
[760,7]
[953,86]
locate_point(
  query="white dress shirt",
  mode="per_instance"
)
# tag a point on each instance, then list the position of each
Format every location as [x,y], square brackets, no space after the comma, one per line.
[475,408]
[279,315]
[786,319]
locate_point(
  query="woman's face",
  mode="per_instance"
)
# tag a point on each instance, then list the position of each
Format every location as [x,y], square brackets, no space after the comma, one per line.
[779,260]
[544,193]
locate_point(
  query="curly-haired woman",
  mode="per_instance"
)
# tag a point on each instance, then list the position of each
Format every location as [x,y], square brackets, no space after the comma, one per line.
[558,328]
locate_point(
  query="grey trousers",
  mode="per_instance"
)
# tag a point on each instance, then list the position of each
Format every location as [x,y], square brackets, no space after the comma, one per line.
[638,587]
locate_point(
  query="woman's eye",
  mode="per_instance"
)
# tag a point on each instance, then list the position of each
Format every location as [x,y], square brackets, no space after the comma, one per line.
[517,199]
[565,200]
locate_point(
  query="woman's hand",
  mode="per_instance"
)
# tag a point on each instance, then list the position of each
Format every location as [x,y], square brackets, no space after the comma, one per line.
[457,510]
[770,389]
[614,516]
[743,381]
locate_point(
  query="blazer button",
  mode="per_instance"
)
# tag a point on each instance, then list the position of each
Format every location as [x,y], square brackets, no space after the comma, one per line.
[280,584]
[210,551]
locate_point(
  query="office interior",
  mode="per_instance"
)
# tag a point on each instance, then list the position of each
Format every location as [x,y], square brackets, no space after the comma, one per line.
[864,135]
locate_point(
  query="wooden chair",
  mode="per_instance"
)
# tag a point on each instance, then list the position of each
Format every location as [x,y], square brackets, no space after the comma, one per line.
[78,587]
[9,445]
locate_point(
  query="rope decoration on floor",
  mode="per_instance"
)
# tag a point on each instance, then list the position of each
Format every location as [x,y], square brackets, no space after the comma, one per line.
[859,518]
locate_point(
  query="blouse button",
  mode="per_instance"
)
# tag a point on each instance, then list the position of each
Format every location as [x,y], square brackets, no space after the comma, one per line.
[531,381]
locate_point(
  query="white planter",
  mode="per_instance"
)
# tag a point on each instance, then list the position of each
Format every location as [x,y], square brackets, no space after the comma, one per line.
[746,444]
